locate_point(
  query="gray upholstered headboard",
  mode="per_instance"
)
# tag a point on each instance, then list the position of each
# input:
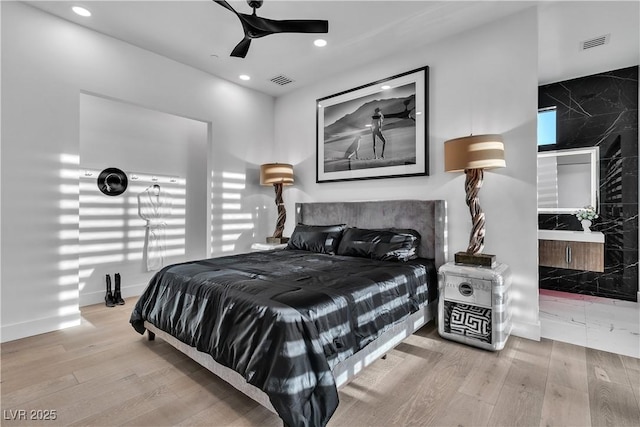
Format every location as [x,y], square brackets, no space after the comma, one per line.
[428,217]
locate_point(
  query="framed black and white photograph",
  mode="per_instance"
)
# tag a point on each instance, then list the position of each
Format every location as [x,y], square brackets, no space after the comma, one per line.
[378,130]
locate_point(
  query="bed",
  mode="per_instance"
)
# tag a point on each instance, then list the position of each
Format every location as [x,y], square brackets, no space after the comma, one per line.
[289,327]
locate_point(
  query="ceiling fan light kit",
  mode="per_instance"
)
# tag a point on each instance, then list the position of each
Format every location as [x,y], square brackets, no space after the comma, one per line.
[255,26]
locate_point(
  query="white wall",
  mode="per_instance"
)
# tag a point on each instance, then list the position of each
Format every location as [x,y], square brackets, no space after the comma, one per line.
[487,77]
[144,144]
[46,64]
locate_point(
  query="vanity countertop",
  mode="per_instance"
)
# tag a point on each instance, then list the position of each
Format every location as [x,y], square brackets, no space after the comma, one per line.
[574,236]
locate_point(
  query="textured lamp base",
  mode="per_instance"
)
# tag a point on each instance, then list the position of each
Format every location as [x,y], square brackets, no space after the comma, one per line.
[483,260]
[277,240]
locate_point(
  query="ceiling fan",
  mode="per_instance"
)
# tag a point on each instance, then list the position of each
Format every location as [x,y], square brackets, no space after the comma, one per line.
[255,27]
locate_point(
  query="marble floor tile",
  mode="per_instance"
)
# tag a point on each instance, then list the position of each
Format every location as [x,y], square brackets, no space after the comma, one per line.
[611,317]
[614,340]
[563,297]
[559,330]
[594,322]
[559,310]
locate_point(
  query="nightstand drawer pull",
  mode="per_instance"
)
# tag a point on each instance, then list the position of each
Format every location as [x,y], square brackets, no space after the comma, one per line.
[465,289]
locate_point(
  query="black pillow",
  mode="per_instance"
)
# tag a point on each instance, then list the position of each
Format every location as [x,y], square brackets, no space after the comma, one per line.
[389,244]
[316,238]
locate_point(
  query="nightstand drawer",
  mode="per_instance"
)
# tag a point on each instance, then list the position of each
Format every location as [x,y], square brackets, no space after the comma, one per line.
[468,290]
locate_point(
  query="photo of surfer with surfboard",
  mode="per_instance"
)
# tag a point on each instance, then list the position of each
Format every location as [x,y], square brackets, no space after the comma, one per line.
[374,130]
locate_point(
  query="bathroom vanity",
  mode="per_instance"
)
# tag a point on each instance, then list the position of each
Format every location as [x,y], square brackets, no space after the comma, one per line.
[574,250]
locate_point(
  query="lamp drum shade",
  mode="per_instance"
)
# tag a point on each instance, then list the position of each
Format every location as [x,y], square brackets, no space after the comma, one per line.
[474,152]
[276,173]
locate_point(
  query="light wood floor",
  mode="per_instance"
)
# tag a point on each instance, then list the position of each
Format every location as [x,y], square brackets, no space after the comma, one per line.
[104,373]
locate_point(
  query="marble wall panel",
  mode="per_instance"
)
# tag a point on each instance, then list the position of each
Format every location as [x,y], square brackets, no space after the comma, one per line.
[600,110]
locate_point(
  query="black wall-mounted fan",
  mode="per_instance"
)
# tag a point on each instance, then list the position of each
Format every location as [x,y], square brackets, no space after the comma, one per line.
[255,27]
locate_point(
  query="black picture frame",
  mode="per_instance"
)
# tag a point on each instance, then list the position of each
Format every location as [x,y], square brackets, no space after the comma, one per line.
[377,130]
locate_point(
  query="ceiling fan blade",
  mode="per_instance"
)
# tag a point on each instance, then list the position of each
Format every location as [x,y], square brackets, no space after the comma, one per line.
[255,27]
[241,49]
[226,5]
[294,25]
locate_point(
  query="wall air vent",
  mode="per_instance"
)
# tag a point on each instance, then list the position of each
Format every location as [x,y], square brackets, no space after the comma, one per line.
[595,42]
[281,80]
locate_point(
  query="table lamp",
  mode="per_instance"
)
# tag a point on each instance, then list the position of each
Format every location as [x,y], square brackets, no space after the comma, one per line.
[473,154]
[277,174]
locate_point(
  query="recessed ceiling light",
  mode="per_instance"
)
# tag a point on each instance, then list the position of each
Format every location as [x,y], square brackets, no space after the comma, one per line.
[385,87]
[81,11]
[244,77]
[320,42]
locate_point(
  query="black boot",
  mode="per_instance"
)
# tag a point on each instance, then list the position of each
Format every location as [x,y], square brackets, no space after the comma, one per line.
[117,296]
[108,298]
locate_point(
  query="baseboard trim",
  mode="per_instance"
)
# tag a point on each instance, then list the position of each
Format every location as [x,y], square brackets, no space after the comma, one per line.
[531,331]
[30,328]
[91,298]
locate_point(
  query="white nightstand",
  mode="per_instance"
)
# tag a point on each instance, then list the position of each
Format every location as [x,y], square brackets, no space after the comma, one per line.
[474,306]
[267,246]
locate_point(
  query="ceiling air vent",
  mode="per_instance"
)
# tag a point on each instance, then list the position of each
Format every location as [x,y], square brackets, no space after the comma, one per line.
[595,42]
[281,80]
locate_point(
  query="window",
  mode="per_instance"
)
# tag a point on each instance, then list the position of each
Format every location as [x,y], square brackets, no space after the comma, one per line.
[547,126]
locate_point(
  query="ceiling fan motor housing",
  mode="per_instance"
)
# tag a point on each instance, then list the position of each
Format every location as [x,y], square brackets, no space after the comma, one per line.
[255,3]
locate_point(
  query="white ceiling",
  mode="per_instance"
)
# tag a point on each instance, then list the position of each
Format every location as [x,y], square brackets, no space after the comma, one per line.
[201,33]
[564,25]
